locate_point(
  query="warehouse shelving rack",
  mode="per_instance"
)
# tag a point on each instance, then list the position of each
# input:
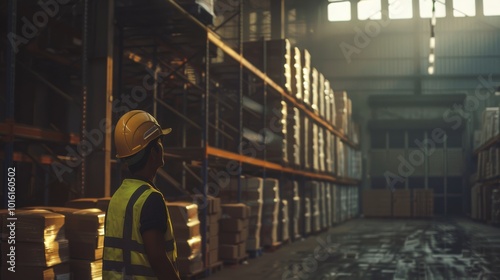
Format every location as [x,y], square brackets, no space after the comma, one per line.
[171,45]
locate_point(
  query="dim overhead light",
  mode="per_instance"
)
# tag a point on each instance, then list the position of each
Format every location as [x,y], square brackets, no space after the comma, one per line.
[430,70]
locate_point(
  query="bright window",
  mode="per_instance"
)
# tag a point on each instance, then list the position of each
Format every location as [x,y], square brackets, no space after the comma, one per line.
[339,11]
[369,9]
[491,7]
[426,8]
[463,8]
[400,9]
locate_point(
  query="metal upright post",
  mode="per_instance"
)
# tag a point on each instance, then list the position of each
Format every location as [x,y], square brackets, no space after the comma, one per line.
[9,104]
[240,96]
[85,39]
[264,56]
[204,117]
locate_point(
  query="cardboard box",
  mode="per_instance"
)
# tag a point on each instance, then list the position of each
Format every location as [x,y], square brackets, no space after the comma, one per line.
[213,242]
[229,252]
[186,231]
[188,248]
[233,225]
[237,210]
[84,251]
[39,253]
[182,212]
[86,221]
[213,257]
[82,203]
[242,249]
[212,203]
[213,228]
[231,237]
[85,270]
[59,272]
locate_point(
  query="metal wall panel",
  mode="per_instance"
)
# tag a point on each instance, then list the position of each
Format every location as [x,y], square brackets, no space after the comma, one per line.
[378,158]
[393,163]
[417,159]
[436,163]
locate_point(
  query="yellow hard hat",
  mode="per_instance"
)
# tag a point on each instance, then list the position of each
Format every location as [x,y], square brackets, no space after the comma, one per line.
[134,131]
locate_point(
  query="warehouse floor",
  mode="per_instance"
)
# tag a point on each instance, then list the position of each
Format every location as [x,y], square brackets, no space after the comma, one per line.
[383,249]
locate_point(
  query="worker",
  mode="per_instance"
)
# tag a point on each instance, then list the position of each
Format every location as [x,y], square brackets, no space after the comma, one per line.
[139,241]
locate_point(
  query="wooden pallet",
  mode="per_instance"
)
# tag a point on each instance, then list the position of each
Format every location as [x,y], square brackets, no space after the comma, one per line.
[236,261]
[254,253]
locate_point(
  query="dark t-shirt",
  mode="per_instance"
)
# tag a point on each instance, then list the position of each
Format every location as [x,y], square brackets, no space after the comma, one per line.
[154,214]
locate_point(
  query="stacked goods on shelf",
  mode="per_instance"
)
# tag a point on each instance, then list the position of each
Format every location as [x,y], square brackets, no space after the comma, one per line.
[315,90]
[306,77]
[186,225]
[233,232]
[336,204]
[214,213]
[344,200]
[401,203]
[41,247]
[322,97]
[329,152]
[315,148]
[291,190]
[340,156]
[333,218]
[307,215]
[321,147]
[490,124]
[328,199]
[341,110]
[306,140]
[297,85]
[328,102]
[270,211]
[423,203]
[276,61]
[377,203]
[333,107]
[315,205]
[85,232]
[355,201]
[495,206]
[324,211]
[276,140]
[487,194]
[294,137]
[252,196]
[284,222]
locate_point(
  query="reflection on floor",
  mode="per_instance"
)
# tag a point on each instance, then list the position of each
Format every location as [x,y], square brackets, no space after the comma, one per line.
[383,249]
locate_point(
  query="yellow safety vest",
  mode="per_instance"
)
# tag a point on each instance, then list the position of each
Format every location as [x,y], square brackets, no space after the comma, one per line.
[124,254]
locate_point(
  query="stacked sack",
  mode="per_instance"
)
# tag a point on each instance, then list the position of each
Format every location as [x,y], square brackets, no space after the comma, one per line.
[296,210]
[214,212]
[251,195]
[40,251]
[270,211]
[186,225]
[307,215]
[233,232]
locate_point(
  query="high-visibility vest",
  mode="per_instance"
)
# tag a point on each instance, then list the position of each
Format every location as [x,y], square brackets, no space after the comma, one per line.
[124,253]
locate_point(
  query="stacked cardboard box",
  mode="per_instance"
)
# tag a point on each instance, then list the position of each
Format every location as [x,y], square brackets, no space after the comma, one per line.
[284,222]
[306,140]
[401,203]
[270,212]
[41,247]
[214,213]
[322,149]
[233,232]
[423,203]
[294,137]
[340,156]
[186,225]
[252,196]
[314,152]
[276,141]
[296,211]
[377,203]
[341,111]
[322,97]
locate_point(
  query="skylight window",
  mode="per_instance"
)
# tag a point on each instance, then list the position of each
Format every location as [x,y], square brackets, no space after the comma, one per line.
[339,11]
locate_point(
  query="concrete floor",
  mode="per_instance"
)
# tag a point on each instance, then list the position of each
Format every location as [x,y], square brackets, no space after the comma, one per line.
[383,249]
